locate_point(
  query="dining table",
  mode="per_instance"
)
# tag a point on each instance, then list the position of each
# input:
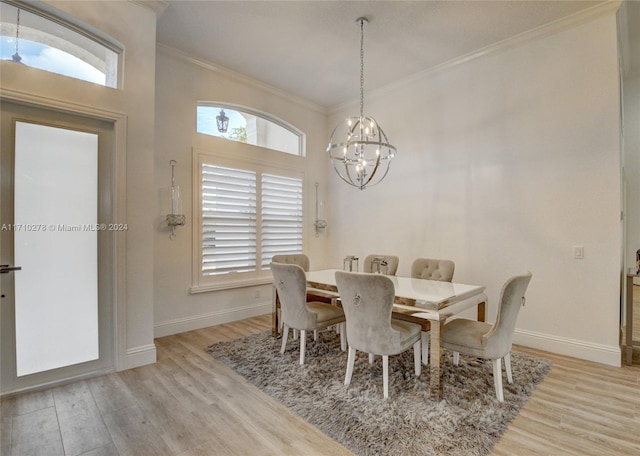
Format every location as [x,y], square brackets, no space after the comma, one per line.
[429,303]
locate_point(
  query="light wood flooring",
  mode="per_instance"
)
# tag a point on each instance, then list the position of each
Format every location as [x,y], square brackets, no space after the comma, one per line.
[191,405]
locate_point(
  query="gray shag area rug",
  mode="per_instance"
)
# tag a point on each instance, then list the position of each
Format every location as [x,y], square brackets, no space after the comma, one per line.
[467,422]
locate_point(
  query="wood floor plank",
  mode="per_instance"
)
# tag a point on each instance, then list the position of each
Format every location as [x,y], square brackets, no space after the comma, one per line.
[537,441]
[133,434]
[580,408]
[190,404]
[162,410]
[36,433]
[6,422]
[79,418]
[110,393]
[214,383]
[28,402]
[107,450]
[274,422]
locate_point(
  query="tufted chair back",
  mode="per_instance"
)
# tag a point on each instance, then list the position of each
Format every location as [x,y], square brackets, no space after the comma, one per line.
[367,301]
[291,283]
[432,269]
[295,258]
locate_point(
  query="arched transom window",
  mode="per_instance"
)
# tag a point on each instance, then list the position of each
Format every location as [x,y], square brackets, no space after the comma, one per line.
[41,40]
[249,126]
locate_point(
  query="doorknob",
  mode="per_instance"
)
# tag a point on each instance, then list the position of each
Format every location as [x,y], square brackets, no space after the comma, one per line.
[5,268]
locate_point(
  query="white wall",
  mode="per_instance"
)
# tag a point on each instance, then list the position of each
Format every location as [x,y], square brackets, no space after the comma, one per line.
[505,162]
[180,84]
[135,27]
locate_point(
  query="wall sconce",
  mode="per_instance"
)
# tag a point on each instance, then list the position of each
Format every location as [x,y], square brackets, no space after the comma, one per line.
[175,219]
[319,224]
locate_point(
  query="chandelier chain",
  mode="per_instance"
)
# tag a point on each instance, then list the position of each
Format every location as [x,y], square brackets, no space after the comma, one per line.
[361,67]
[17,30]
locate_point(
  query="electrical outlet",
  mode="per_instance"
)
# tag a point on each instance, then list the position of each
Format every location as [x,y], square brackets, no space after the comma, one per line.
[578,252]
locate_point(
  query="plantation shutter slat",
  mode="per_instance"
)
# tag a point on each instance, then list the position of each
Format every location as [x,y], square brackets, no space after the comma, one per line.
[282,211]
[229,214]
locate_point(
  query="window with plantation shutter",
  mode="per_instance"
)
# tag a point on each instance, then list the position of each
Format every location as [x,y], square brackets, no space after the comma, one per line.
[229,214]
[281,216]
[248,195]
[248,212]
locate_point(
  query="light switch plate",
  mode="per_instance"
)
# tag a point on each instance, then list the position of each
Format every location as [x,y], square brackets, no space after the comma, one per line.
[578,252]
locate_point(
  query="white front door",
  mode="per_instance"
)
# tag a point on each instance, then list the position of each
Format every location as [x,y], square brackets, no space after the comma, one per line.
[56,247]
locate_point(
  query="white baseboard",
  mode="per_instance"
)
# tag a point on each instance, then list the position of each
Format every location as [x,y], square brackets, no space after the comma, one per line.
[604,354]
[139,356]
[181,325]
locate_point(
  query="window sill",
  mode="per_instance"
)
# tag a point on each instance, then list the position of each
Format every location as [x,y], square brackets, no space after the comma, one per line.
[230,285]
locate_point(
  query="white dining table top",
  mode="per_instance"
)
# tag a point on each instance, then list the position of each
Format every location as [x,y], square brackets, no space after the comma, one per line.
[428,294]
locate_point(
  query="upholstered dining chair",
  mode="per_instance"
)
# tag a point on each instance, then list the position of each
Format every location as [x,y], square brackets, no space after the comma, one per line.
[367,301]
[313,294]
[432,269]
[487,341]
[297,313]
[391,260]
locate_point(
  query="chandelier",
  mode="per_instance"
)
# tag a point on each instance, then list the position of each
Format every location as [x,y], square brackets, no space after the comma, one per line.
[359,150]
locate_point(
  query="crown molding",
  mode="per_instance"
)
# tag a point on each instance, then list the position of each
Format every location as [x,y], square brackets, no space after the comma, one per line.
[157,6]
[236,76]
[551,28]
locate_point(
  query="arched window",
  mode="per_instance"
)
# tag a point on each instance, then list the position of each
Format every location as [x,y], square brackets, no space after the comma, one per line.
[246,125]
[249,208]
[38,39]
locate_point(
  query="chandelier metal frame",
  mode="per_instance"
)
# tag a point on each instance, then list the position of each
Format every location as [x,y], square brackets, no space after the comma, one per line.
[362,158]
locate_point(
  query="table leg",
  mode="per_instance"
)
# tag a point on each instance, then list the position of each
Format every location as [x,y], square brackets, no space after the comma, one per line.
[435,367]
[481,311]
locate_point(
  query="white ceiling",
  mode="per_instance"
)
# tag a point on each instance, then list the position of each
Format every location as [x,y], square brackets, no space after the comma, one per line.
[311,48]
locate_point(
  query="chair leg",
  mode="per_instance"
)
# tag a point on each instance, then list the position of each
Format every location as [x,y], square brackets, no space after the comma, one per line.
[370,358]
[417,348]
[507,367]
[295,334]
[343,336]
[497,378]
[285,335]
[425,347]
[456,358]
[303,343]
[351,359]
[315,335]
[385,375]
